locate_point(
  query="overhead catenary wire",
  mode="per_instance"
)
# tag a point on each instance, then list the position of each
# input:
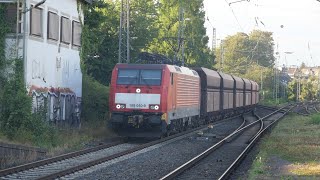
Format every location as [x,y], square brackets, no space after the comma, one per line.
[310,53]
[235,16]
[257,20]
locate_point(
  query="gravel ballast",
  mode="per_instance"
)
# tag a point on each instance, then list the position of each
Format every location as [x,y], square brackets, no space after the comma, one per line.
[158,160]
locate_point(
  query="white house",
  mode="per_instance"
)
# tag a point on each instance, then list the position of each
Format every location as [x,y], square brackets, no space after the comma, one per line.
[46,34]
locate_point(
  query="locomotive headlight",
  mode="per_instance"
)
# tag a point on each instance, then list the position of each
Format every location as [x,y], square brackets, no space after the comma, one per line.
[138,90]
[118,106]
[122,106]
[154,107]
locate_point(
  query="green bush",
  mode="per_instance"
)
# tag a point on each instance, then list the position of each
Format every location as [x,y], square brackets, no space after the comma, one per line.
[16,119]
[16,104]
[95,99]
[273,102]
[315,119]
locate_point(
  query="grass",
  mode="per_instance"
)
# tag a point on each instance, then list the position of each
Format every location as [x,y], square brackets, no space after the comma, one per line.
[75,139]
[292,150]
[62,141]
[315,119]
[273,102]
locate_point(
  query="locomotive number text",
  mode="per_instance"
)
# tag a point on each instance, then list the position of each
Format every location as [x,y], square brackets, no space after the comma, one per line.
[137,105]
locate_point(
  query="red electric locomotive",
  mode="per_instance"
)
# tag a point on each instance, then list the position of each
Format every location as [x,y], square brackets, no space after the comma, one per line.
[153,99]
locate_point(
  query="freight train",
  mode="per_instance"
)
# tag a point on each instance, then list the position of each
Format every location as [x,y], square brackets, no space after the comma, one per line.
[154,100]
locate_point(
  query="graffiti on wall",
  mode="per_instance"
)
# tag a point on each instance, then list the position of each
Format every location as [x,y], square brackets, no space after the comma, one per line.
[61,105]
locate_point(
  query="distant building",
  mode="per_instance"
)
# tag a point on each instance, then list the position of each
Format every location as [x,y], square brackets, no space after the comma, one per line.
[48,39]
[292,71]
[305,72]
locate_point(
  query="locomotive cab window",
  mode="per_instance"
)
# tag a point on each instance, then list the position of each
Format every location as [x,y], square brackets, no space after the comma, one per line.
[128,76]
[139,77]
[150,77]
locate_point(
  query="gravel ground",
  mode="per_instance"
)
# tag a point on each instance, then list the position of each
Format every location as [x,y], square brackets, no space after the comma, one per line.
[156,161]
[242,170]
[217,162]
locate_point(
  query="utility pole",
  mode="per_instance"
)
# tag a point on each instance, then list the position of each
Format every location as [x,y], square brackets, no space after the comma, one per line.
[276,84]
[124,32]
[222,55]
[318,83]
[299,89]
[261,87]
[213,35]
[299,85]
[180,29]
[181,38]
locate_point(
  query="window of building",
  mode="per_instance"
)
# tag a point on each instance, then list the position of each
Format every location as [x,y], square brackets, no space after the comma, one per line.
[65,30]
[53,26]
[36,22]
[76,33]
[11,18]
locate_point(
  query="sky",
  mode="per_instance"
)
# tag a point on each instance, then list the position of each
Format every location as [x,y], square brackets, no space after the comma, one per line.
[295,25]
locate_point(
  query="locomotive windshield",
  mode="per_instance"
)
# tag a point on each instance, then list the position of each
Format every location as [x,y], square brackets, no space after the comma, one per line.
[139,77]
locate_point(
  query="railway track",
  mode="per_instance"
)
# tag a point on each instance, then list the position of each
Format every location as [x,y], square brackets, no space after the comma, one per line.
[18,172]
[80,163]
[306,108]
[69,163]
[13,154]
[218,161]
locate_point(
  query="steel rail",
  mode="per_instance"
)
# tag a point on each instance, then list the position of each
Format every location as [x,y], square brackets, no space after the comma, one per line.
[307,110]
[261,127]
[199,157]
[140,147]
[298,110]
[32,165]
[22,148]
[267,107]
[250,145]
[241,126]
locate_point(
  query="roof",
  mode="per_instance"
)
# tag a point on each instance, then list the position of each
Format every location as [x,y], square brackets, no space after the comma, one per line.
[292,70]
[228,81]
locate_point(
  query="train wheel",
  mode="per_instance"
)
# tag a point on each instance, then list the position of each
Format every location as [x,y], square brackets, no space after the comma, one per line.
[164,129]
[185,127]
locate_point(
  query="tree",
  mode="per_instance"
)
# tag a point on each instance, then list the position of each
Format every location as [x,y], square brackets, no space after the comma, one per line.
[250,56]
[101,32]
[242,51]
[154,27]
[303,65]
[192,30]
[99,51]
[309,89]
[143,25]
